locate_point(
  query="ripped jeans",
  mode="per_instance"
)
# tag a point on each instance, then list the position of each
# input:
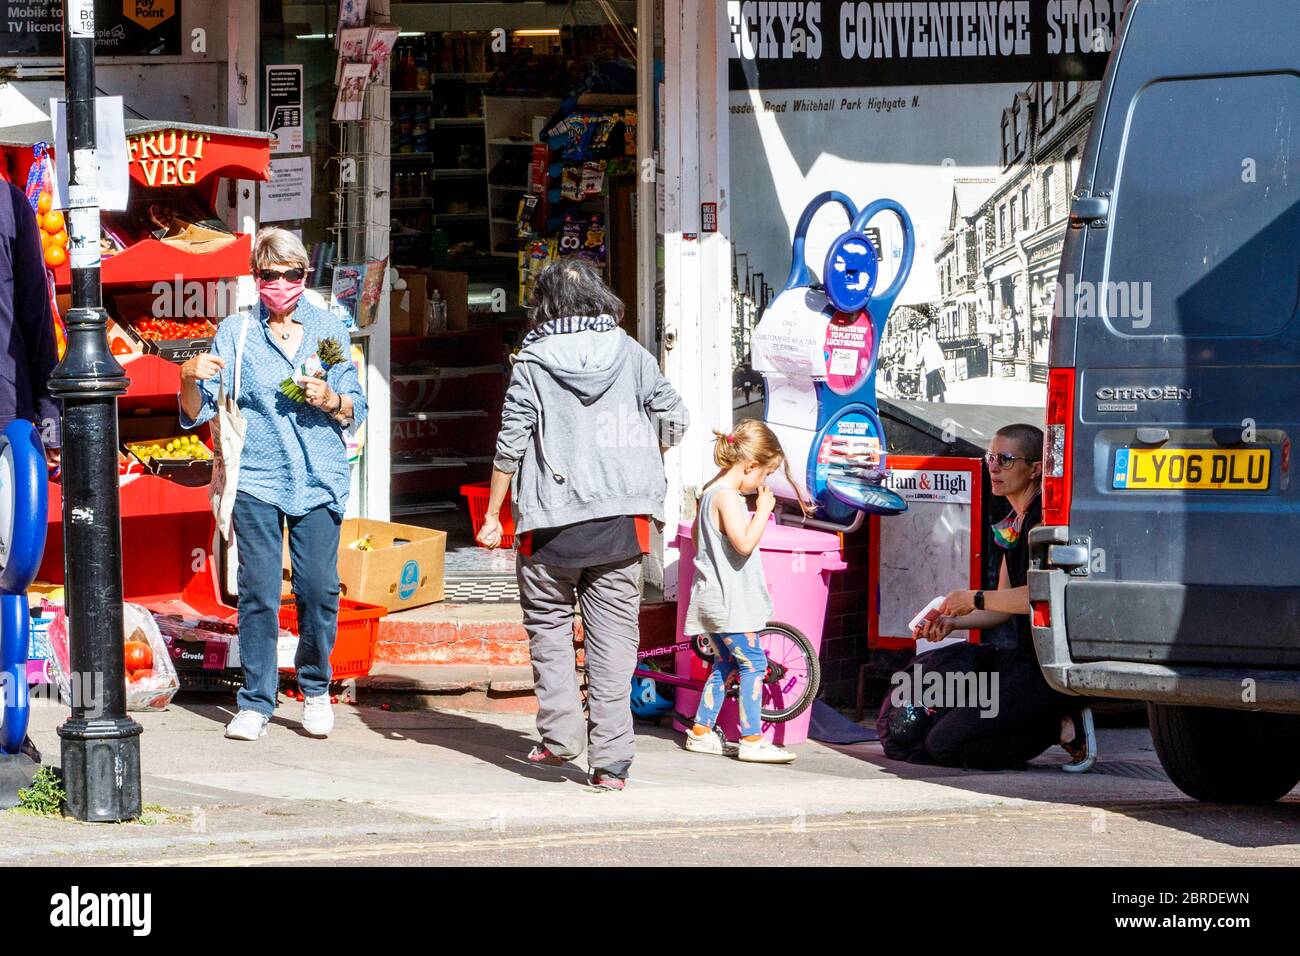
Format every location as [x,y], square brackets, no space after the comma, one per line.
[735,653]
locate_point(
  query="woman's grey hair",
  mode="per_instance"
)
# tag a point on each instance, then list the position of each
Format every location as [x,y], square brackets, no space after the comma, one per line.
[273,246]
[571,287]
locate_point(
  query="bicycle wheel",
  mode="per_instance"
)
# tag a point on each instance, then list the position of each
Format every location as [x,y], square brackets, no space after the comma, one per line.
[793,673]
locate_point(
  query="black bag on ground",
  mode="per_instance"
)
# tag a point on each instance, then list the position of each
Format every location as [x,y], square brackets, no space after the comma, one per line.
[902,725]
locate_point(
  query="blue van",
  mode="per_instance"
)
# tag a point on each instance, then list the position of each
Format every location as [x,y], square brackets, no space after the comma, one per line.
[1167,567]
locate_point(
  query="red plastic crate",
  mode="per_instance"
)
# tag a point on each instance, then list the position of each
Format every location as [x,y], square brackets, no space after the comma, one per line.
[476,495]
[358,631]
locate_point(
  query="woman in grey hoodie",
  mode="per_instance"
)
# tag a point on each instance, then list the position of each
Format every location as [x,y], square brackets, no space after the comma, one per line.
[585,421]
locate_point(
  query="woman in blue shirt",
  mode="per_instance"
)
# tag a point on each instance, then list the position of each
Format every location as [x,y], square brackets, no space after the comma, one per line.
[293,471]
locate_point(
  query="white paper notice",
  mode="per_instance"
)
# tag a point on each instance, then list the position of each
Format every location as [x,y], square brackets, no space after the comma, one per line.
[113,184]
[288,194]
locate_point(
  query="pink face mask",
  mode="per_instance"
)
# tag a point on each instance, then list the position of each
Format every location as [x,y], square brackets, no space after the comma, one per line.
[281,295]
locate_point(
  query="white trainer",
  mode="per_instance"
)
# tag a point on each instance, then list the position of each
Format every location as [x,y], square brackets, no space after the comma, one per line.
[247,725]
[763,751]
[318,715]
[710,743]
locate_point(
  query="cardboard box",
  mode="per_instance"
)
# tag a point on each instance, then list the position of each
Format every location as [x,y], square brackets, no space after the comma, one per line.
[407,309]
[403,569]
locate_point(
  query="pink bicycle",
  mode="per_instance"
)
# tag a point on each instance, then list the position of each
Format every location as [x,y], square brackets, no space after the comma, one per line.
[789,686]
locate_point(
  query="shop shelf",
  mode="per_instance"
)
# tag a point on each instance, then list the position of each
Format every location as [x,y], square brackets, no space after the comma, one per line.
[150,260]
[456,172]
[358,631]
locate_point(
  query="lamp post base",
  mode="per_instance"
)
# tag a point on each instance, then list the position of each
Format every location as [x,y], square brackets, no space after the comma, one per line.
[16,773]
[101,769]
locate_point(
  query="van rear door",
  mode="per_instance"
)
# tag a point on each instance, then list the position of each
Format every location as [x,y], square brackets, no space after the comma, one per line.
[1187,343]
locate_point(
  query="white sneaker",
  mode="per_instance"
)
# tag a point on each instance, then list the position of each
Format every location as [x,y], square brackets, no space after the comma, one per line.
[710,743]
[318,715]
[247,725]
[763,751]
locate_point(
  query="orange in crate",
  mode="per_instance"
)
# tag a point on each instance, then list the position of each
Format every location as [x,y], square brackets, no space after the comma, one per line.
[358,631]
[476,495]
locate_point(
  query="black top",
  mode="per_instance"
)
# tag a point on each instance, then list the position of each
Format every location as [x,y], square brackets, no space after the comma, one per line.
[587,543]
[27,350]
[1017,559]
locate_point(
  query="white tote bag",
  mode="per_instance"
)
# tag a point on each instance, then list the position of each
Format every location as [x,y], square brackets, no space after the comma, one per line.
[229,426]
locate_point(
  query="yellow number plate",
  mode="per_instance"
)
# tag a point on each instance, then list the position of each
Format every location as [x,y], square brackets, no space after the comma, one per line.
[1178,469]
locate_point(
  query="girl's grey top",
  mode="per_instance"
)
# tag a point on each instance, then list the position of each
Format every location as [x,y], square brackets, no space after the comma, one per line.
[729,593]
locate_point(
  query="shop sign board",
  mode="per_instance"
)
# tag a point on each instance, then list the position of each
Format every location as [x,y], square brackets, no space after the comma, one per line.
[861,44]
[122,27]
[932,549]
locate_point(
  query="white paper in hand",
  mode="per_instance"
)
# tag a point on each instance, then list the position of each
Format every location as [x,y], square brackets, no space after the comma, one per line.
[928,613]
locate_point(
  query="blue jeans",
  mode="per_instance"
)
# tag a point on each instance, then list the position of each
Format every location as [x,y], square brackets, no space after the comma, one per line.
[313,550]
[735,652]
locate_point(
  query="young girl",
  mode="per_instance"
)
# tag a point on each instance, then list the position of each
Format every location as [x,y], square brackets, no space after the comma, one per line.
[729,600]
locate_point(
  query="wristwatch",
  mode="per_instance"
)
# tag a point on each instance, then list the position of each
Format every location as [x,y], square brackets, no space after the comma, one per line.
[979,600]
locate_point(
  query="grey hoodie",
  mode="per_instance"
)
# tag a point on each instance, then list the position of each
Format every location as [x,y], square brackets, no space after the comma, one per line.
[583,420]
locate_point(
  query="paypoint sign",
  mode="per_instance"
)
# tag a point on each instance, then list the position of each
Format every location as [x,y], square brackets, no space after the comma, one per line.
[148,13]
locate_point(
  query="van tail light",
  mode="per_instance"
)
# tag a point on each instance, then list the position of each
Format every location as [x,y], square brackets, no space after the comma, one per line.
[1041,613]
[1058,451]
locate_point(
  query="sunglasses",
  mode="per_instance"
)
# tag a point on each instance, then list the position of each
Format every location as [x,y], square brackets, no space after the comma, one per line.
[1006,461]
[271,275]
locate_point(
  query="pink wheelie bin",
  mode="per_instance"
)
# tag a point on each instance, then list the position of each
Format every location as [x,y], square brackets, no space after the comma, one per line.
[797,564]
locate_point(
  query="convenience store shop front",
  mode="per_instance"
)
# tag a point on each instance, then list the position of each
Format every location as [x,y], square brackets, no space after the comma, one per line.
[470,186]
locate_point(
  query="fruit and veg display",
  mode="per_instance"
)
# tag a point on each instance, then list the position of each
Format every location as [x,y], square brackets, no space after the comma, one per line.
[54,231]
[184,448]
[148,675]
[153,329]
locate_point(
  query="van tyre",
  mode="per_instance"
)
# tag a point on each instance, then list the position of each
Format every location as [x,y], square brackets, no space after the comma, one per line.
[1227,756]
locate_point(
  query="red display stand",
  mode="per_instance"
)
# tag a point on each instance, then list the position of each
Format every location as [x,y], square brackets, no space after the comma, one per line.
[167,528]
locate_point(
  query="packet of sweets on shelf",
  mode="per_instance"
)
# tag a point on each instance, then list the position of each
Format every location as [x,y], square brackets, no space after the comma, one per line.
[929,613]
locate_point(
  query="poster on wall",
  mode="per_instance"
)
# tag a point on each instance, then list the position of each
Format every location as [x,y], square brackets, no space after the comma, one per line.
[122,28]
[284,107]
[974,116]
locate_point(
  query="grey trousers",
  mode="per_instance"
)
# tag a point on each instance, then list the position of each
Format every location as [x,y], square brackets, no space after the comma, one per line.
[609,596]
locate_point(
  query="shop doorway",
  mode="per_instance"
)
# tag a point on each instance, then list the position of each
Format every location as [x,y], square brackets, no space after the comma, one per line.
[515,136]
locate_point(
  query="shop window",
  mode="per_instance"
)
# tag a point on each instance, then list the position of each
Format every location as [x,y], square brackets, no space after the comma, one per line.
[1014,203]
[1024,208]
[1006,138]
[1047,100]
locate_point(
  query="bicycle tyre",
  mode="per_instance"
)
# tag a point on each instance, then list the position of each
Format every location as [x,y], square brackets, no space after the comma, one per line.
[813,671]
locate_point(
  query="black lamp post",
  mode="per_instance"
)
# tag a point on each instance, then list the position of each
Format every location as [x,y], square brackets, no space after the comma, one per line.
[100,744]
